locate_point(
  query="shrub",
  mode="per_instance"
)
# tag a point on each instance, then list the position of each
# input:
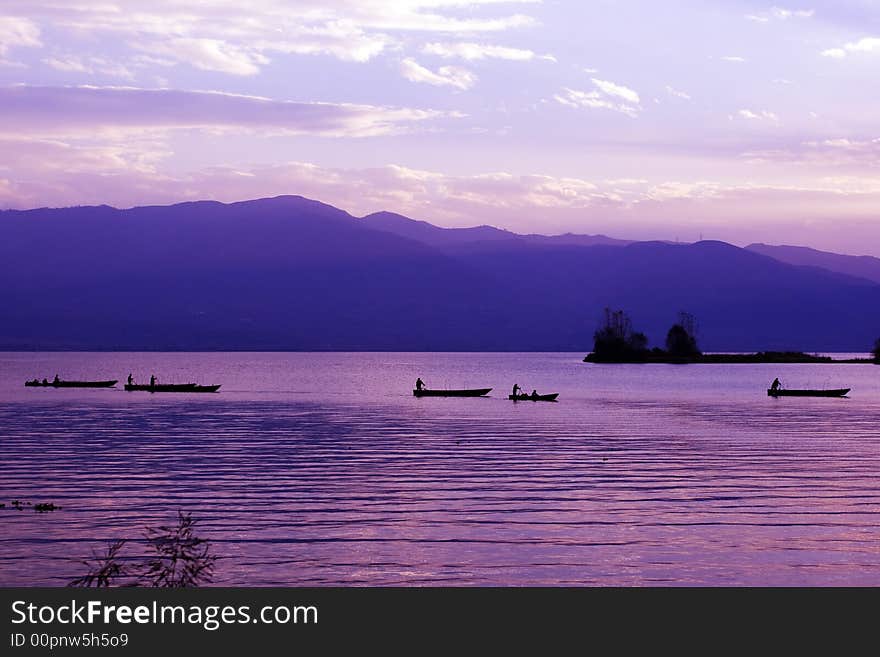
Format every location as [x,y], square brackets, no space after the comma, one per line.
[177,558]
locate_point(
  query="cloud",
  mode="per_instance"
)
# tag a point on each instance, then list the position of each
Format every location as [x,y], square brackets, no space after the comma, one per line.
[67,64]
[676,93]
[53,111]
[239,39]
[74,64]
[857,154]
[445,76]
[780,13]
[867,44]
[18,32]
[474,51]
[618,90]
[606,95]
[760,115]
[836,53]
[734,58]
[209,55]
[342,39]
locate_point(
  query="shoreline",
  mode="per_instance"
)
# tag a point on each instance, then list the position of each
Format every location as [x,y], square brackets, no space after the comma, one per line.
[759,358]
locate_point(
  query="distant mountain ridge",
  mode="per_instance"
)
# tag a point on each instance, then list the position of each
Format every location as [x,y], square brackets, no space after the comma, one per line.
[866,267]
[290,273]
[427,233]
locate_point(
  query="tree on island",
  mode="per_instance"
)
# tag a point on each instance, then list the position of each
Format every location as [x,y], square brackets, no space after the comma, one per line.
[877,351]
[615,340]
[681,340]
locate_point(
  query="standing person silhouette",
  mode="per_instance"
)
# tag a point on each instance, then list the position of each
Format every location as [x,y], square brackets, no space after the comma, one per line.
[775,385]
[152,380]
[130,380]
[419,384]
[516,389]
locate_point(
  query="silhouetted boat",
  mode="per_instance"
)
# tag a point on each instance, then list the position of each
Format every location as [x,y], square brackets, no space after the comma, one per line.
[473,392]
[170,387]
[783,392]
[550,397]
[71,384]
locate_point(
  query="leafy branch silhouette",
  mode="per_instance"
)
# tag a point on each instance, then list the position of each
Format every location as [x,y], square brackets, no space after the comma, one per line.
[177,558]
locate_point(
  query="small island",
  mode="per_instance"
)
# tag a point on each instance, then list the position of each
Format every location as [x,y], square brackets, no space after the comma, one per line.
[616,342]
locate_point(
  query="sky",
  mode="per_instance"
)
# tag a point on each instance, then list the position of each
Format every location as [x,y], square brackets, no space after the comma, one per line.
[743,121]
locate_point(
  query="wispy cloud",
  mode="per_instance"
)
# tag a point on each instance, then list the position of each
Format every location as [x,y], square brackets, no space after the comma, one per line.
[209,55]
[736,59]
[780,13]
[474,51]
[617,90]
[758,115]
[239,39]
[605,95]
[836,152]
[86,110]
[445,76]
[18,32]
[676,93]
[867,44]
[74,64]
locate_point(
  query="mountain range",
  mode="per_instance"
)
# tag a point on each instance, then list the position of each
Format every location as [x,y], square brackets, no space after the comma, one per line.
[290,273]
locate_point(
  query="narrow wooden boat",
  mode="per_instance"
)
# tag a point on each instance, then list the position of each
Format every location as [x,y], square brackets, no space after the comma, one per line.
[786,392]
[473,392]
[551,397]
[170,387]
[71,384]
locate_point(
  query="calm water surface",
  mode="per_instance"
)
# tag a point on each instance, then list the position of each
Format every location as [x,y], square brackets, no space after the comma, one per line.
[320,469]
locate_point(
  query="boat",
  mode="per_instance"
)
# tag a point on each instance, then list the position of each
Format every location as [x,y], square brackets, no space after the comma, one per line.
[472,392]
[170,387]
[787,392]
[550,398]
[71,384]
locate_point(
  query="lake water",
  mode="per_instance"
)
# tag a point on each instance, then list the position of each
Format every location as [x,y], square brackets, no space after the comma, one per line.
[323,469]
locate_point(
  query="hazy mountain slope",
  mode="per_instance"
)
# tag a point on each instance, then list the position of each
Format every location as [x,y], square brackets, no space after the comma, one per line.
[431,235]
[862,266]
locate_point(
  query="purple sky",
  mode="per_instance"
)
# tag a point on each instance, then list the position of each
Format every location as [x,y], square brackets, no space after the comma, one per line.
[736,120]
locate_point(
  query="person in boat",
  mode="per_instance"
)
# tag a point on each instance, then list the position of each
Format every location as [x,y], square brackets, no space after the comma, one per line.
[130,380]
[45,382]
[534,394]
[152,380]
[516,389]
[775,385]
[56,380]
[420,385]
